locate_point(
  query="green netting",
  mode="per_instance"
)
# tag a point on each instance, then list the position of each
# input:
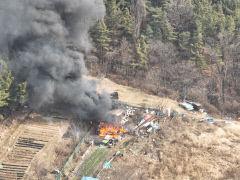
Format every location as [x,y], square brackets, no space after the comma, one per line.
[69,161]
[90,164]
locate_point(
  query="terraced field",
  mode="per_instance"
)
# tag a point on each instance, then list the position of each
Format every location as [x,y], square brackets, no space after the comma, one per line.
[31,139]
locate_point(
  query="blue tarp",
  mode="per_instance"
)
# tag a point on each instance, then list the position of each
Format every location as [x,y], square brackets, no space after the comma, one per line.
[88,178]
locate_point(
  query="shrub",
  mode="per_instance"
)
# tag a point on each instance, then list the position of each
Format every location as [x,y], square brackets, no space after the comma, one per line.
[210,108]
[1,117]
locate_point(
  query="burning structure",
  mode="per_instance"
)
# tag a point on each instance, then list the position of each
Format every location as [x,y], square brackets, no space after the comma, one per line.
[110,131]
[36,35]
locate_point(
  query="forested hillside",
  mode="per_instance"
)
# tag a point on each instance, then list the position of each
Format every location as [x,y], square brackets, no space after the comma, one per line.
[175,48]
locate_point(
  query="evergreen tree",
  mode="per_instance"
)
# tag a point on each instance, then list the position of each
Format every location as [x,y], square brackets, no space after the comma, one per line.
[148,32]
[205,13]
[184,44]
[221,17]
[197,46]
[230,7]
[160,25]
[18,94]
[113,20]
[144,60]
[237,20]
[230,25]
[141,54]
[6,80]
[100,37]
[155,16]
[167,29]
[183,40]
[160,3]
[127,22]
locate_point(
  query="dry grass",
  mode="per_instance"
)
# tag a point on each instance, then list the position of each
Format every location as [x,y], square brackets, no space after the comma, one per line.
[135,97]
[189,151]
[52,157]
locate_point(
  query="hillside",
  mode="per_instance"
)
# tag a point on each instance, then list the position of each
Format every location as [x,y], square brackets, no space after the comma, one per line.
[178,48]
[183,148]
[58,58]
[190,149]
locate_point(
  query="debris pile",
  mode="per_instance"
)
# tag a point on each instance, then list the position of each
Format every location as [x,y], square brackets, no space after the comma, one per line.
[190,106]
[110,131]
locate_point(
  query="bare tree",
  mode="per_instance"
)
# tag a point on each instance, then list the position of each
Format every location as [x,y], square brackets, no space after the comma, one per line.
[40,170]
[225,56]
[138,11]
[228,59]
[161,57]
[184,77]
[180,14]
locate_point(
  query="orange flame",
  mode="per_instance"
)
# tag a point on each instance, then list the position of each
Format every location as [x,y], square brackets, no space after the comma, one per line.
[109,130]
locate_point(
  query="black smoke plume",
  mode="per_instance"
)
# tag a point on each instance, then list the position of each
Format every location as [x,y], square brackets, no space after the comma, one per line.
[37,34]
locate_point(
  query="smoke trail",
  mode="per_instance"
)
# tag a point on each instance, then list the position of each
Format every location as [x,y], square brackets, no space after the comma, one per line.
[37,33]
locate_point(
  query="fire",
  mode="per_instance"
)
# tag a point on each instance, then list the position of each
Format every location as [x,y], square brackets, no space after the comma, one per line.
[109,130]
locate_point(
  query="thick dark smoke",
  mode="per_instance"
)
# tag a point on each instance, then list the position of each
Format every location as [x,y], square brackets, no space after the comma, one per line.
[37,34]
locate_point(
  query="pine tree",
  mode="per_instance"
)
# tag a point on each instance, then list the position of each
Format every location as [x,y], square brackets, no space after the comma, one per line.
[6,80]
[21,92]
[155,14]
[141,54]
[160,25]
[18,94]
[100,37]
[127,22]
[230,7]
[113,20]
[144,60]
[230,25]
[160,3]
[205,13]
[197,46]
[183,40]
[237,20]
[167,29]
[148,33]
[221,21]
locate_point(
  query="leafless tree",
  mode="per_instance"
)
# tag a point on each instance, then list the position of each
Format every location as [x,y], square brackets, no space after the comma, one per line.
[168,71]
[180,14]
[138,11]
[40,170]
[184,77]
[227,63]
[161,57]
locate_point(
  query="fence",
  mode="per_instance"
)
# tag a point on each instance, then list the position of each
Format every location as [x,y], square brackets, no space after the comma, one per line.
[69,161]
